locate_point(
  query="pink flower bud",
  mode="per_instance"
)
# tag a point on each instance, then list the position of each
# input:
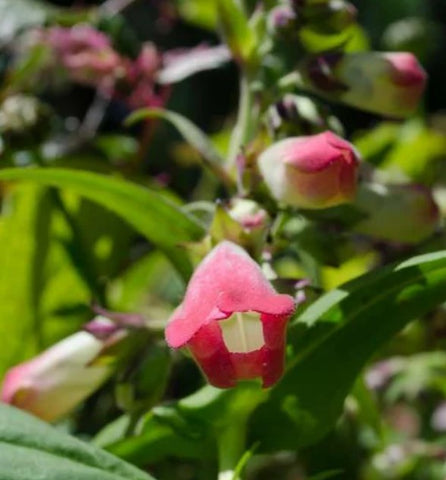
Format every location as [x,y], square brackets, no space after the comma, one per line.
[232,320]
[53,383]
[396,213]
[249,214]
[317,171]
[384,83]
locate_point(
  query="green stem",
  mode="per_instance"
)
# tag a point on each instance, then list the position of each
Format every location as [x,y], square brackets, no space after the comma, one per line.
[231,446]
[243,127]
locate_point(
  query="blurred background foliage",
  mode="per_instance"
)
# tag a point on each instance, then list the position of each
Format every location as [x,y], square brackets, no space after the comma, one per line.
[61,254]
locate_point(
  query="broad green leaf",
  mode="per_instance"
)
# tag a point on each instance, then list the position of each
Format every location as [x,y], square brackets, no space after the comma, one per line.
[79,268]
[185,428]
[149,282]
[334,338]
[157,441]
[162,222]
[24,232]
[191,133]
[30,448]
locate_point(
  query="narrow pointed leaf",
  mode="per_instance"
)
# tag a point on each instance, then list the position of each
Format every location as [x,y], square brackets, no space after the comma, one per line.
[162,222]
[334,338]
[191,133]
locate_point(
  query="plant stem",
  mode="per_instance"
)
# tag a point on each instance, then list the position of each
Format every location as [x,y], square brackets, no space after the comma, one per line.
[243,127]
[231,446]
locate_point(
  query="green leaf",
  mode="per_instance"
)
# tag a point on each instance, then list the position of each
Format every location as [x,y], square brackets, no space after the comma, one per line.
[334,338]
[158,441]
[30,448]
[239,35]
[24,236]
[199,12]
[151,280]
[189,426]
[191,133]
[162,222]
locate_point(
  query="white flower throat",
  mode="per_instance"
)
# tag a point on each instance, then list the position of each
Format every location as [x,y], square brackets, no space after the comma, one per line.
[242,332]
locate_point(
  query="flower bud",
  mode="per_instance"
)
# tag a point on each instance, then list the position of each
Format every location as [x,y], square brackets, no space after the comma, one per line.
[384,83]
[249,214]
[317,171]
[53,383]
[396,213]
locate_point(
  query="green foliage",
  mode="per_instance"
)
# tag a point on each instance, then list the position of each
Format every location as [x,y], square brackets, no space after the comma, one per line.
[334,338]
[151,214]
[24,235]
[237,31]
[199,12]
[103,211]
[30,448]
[191,133]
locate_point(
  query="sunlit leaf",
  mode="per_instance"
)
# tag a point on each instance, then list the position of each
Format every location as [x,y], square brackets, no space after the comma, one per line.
[159,220]
[24,236]
[334,338]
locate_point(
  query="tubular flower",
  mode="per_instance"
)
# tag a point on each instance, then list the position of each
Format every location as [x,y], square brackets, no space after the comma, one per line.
[316,171]
[232,320]
[384,83]
[53,383]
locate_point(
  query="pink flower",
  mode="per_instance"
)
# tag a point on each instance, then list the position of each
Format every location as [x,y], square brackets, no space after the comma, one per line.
[138,86]
[316,171]
[148,62]
[85,53]
[56,381]
[384,83]
[232,320]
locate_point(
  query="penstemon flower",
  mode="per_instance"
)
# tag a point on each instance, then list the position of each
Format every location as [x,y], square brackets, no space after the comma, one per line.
[232,320]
